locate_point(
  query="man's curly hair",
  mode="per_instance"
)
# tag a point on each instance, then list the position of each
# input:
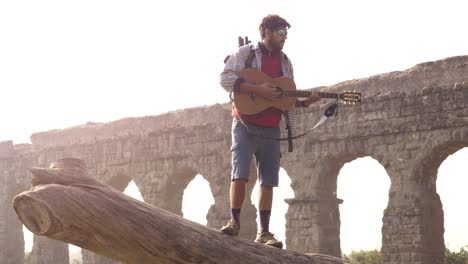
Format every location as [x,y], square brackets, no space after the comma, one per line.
[272,22]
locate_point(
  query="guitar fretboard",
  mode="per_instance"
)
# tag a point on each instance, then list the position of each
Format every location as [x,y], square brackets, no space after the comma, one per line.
[299,93]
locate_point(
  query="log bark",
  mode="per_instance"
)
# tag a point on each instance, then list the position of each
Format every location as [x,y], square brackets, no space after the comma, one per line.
[66,204]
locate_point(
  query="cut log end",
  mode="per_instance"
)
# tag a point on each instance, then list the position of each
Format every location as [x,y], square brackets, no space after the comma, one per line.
[34,215]
[67,171]
[70,166]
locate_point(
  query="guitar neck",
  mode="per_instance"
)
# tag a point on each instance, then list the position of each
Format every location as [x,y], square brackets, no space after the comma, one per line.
[302,93]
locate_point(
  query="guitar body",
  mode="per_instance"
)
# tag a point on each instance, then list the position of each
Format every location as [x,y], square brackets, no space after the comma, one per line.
[250,104]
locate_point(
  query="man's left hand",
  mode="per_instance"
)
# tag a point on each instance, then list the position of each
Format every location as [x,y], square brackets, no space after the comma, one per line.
[312,99]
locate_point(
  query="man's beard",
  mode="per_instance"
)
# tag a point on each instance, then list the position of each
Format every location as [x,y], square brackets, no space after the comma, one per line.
[276,46]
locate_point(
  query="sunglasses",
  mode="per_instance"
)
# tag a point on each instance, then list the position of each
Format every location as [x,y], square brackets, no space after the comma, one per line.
[281,32]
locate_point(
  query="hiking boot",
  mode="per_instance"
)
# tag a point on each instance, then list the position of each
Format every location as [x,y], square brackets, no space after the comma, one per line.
[231,228]
[268,239]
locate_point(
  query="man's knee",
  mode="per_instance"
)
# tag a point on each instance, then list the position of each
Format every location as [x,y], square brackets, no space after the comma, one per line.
[240,180]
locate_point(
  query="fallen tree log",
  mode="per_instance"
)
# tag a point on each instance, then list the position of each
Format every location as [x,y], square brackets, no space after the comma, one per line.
[66,204]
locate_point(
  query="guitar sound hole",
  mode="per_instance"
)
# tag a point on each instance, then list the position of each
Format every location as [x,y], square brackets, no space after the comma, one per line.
[280,91]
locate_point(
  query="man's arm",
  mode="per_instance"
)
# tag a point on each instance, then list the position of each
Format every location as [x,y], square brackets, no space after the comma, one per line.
[307,102]
[230,80]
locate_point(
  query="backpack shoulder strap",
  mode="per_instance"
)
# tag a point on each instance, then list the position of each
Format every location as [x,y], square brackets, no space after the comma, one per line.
[248,61]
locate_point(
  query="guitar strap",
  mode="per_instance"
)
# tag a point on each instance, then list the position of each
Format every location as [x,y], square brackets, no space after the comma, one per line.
[331,110]
[248,61]
[247,64]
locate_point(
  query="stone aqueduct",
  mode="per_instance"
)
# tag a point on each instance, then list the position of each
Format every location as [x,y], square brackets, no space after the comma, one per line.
[408,121]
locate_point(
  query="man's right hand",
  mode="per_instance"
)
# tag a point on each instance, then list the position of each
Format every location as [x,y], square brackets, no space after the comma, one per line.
[267,90]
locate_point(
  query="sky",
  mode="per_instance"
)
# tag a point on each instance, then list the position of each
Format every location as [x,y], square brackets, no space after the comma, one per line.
[64,63]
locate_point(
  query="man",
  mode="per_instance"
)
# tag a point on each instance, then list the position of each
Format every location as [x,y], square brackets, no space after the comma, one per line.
[256,134]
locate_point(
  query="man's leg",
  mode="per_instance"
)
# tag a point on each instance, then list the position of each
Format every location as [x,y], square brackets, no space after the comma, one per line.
[268,164]
[265,200]
[237,195]
[243,146]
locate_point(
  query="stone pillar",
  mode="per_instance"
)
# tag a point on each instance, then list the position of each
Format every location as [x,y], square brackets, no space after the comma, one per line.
[218,214]
[313,217]
[11,233]
[313,225]
[301,230]
[11,229]
[46,251]
[90,257]
[413,229]
[153,188]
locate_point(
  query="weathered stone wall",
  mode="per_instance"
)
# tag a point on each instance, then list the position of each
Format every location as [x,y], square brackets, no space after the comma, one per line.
[408,121]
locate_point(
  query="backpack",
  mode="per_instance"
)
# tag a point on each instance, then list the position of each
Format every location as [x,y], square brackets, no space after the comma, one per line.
[242,42]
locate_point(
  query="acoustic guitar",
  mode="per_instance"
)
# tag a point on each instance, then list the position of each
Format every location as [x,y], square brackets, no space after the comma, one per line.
[249,103]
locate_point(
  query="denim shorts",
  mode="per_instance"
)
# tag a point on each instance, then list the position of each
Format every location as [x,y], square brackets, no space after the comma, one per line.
[249,140]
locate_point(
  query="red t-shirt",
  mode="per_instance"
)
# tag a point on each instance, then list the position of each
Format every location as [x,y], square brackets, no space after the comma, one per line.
[270,117]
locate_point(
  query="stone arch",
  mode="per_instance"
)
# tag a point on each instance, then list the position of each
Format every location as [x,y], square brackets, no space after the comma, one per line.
[427,172]
[119,181]
[162,188]
[335,164]
[328,157]
[192,194]
[133,191]
[357,187]
[313,218]
[451,186]
[415,217]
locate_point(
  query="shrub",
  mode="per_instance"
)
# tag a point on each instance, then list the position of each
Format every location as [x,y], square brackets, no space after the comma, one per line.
[460,257]
[364,257]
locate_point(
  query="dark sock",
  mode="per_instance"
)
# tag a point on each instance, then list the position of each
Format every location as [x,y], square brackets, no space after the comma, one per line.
[235,214]
[264,220]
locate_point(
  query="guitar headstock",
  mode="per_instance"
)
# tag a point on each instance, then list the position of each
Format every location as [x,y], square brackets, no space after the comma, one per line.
[349,97]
